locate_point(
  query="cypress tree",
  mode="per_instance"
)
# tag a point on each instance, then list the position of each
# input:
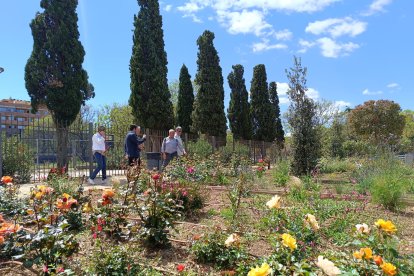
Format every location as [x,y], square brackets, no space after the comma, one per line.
[150,97]
[260,108]
[274,101]
[208,115]
[238,112]
[54,75]
[303,122]
[185,100]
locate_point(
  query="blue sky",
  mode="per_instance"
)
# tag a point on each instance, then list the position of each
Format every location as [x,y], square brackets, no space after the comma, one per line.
[354,50]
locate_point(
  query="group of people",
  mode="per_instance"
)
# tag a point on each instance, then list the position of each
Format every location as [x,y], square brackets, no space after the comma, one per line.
[171,147]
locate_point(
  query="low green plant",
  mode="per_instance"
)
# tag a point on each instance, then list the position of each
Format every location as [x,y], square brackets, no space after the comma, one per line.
[332,165]
[17,159]
[388,189]
[281,173]
[212,249]
[201,148]
[116,260]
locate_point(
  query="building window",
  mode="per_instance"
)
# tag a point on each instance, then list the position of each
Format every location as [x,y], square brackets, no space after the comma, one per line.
[20,127]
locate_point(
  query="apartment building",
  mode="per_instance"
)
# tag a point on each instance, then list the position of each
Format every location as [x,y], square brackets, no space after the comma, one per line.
[15,115]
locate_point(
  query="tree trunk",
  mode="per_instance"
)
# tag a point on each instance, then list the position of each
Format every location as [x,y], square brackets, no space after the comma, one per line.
[62,147]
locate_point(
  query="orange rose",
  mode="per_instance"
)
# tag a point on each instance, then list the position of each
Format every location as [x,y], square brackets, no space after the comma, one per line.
[6,179]
[378,260]
[108,193]
[9,228]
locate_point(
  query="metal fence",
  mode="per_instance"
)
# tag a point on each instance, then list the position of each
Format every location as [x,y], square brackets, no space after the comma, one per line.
[31,148]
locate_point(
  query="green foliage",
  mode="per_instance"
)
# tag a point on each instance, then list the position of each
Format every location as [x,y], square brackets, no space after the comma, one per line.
[17,159]
[63,185]
[211,249]
[337,138]
[53,74]
[332,165]
[115,260]
[281,173]
[208,115]
[201,148]
[185,100]
[261,110]
[274,101]
[358,148]
[150,97]
[379,122]
[10,204]
[386,178]
[238,112]
[303,122]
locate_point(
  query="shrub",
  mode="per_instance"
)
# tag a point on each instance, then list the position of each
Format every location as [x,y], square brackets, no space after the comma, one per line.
[332,165]
[388,188]
[17,159]
[212,249]
[281,173]
[200,148]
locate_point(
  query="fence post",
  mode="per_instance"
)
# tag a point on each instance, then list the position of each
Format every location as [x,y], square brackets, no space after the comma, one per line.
[213,141]
[1,152]
[90,132]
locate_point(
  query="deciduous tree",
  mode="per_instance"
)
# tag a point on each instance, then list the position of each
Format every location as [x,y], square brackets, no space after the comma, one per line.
[303,122]
[378,122]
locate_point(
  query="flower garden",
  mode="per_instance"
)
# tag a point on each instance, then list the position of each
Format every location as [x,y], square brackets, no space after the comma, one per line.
[216,215]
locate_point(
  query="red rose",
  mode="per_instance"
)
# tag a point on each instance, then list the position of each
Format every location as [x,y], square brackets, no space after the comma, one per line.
[180,267]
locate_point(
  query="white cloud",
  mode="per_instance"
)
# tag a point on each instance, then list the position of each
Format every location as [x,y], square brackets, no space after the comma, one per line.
[342,104]
[168,8]
[367,92]
[283,87]
[244,22]
[312,93]
[332,49]
[265,46]
[305,45]
[393,85]
[283,34]
[190,8]
[337,27]
[282,5]
[377,6]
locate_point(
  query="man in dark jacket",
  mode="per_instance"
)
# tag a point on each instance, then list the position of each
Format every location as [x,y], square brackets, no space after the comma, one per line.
[132,145]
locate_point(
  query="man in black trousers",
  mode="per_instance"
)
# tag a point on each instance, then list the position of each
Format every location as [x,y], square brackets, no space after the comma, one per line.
[132,145]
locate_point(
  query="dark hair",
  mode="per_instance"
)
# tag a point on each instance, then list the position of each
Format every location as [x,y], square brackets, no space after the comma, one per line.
[132,127]
[101,128]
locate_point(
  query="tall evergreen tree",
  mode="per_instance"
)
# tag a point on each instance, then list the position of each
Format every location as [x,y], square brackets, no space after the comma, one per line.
[150,97]
[185,100]
[274,101]
[261,110]
[238,112]
[53,74]
[303,122]
[208,115]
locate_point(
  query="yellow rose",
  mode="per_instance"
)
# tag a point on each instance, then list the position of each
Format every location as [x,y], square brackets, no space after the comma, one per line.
[310,221]
[264,270]
[386,226]
[357,255]
[289,241]
[274,202]
[87,207]
[389,269]
[367,253]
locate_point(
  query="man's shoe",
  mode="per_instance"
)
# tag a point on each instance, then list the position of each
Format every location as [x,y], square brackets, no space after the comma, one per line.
[104,181]
[90,181]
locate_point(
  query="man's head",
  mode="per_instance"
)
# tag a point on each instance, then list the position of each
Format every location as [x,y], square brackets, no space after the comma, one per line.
[171,133]
[178,130]
[135,128]
[101,129]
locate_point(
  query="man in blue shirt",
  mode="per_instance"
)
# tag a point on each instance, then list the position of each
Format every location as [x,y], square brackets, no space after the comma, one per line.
[132,145]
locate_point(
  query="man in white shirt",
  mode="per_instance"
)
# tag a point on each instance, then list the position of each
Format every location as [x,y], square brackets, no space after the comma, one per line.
[180,150]
[99,149]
